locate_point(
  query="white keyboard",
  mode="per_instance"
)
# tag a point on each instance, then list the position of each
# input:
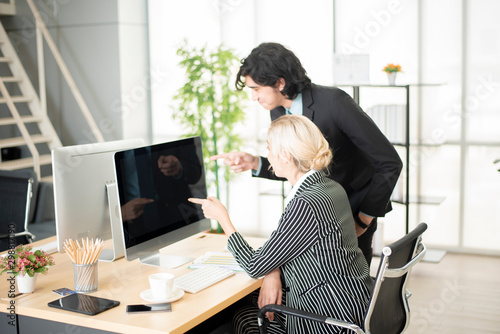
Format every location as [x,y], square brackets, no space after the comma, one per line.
[48,248]
[202,278]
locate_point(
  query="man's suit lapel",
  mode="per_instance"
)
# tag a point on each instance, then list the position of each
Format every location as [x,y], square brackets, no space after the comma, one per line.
[307,103]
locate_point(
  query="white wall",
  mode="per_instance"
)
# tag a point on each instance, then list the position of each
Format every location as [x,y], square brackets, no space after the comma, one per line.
[104,45]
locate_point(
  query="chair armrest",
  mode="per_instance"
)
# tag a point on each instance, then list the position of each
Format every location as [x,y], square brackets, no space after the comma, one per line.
[17,234]
[397,272]
[302,314]
[291,311]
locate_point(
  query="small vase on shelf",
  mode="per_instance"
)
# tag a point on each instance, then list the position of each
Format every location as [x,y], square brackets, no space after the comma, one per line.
[392,78]
[392,70]
[25,283]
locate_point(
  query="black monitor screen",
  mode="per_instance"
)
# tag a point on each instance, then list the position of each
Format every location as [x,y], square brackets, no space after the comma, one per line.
[154,184]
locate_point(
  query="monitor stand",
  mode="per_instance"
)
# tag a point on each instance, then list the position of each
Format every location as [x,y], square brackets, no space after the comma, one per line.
[158,259]
[118,249]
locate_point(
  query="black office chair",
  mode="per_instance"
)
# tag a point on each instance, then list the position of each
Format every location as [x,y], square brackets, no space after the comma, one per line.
[15,203]
[388,311]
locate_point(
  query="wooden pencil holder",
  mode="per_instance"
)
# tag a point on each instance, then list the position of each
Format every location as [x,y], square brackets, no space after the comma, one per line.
[85,277]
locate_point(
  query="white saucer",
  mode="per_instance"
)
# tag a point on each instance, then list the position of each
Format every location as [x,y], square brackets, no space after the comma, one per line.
[148,296]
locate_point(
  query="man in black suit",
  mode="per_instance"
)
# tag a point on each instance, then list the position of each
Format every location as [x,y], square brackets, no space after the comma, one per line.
[364,162]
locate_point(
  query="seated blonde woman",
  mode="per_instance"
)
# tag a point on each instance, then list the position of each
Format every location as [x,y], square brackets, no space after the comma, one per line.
[315,244]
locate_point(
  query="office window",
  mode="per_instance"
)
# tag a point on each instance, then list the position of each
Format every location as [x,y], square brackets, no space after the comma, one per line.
[453,123]
[454,133]
[240,25]
[481,117]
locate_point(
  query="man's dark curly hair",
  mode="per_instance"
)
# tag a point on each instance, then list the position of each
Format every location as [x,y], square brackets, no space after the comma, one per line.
[270,62]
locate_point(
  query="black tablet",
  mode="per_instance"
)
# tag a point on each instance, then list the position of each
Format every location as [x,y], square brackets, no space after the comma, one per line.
[84,304]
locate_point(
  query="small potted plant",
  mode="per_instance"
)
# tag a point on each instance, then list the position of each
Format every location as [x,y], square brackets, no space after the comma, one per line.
[392,70]
[24,264]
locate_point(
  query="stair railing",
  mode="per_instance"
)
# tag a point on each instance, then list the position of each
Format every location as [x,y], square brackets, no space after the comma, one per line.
[22,128]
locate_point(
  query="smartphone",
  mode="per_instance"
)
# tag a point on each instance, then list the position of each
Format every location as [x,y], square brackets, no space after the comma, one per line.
[64,291]
[163,307]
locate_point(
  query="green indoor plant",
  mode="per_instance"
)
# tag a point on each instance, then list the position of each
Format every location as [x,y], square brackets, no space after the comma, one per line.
[209,106]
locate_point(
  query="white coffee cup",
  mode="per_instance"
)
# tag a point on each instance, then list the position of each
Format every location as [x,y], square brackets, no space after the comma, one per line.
[162,285]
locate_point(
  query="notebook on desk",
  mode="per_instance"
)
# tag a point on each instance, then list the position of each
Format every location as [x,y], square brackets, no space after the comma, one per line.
[220,259]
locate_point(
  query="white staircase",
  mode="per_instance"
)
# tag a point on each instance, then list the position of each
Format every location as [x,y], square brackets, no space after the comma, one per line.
[23,113]
[24,122]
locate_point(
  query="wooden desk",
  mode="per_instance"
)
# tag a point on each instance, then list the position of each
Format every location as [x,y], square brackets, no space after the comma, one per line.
[124,280]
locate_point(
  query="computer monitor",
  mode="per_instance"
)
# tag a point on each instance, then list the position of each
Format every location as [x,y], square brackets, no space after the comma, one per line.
[154,184]
[84,192]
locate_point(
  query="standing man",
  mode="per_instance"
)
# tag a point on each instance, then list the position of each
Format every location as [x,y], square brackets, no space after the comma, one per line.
[364,162]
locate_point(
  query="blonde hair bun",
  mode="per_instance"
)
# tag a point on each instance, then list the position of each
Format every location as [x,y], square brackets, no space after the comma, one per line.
[302,139]
[322,159]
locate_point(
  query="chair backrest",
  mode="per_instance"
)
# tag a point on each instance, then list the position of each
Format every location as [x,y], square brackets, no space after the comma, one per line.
[15,199]
[388,311]
[26,174]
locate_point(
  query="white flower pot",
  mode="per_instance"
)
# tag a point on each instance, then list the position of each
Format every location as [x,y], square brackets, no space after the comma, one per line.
[25,283]
[392,78]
